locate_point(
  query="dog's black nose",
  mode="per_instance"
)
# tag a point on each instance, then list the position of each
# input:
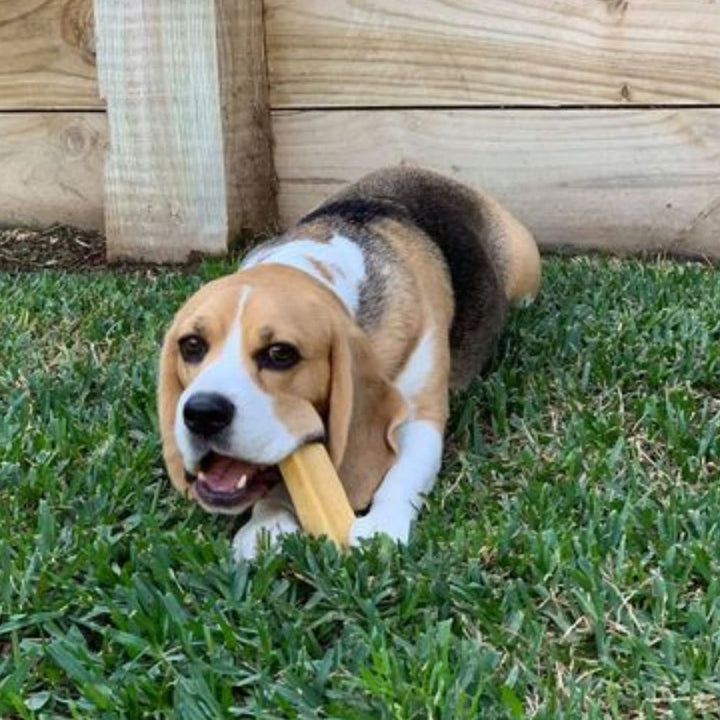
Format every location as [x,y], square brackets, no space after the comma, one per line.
[206,414]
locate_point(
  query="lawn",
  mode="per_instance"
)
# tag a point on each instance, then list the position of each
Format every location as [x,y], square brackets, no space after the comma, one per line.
[567,565]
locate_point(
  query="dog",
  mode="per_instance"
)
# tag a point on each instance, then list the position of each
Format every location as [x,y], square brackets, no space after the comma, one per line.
[350,329]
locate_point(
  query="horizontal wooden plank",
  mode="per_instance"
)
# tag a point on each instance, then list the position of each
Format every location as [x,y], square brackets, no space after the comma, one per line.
[605,179]
[51,168]
[492,52]
[47,55]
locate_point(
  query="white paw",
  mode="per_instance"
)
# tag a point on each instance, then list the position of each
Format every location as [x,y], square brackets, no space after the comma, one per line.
[246,542]
[394,525]
[524,301]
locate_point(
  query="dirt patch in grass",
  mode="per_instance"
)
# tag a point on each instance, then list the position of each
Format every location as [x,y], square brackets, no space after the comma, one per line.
[56,247]
[62,247]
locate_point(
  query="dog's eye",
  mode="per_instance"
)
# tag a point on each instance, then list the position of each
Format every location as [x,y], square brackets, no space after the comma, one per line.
[193,348]
[279,356]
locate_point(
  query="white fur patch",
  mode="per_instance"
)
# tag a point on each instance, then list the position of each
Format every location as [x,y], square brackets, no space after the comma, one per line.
[524,301]
[401,494]
[341,256]
[256,434]
[418,367]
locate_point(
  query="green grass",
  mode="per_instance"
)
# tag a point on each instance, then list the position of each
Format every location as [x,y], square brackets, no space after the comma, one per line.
[568,564]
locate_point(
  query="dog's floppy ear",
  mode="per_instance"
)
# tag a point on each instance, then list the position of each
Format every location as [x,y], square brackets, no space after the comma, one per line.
[169,391]
[365,411]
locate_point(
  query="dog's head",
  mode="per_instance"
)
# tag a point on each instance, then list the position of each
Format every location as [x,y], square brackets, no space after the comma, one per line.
[257,364]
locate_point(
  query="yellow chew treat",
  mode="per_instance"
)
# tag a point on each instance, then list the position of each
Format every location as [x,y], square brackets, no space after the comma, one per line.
[317,493]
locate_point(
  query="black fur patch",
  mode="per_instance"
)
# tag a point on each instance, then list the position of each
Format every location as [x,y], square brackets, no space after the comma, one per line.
[357,211]
[456,227]
[451,217]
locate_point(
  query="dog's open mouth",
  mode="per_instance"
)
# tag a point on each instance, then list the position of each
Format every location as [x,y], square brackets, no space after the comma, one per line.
[226,482]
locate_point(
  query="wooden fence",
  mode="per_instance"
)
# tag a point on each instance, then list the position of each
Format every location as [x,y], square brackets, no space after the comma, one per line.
[596,121]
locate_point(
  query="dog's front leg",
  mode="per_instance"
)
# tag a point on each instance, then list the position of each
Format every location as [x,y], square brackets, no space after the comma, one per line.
[401,494]
[273,514]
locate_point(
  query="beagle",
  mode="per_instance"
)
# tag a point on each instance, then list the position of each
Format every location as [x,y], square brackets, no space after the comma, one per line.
[349,329]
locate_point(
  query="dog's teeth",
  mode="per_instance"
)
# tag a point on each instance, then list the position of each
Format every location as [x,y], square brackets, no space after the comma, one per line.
[242,482]
[200,475]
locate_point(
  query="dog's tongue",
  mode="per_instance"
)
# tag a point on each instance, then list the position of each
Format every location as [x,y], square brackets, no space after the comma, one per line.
[225,474]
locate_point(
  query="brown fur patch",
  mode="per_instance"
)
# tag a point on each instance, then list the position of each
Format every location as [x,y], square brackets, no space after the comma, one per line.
[321,268]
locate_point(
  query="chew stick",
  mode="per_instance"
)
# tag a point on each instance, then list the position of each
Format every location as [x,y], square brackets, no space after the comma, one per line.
[317,493]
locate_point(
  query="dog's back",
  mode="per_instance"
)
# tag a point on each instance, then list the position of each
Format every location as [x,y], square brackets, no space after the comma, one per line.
[491,258]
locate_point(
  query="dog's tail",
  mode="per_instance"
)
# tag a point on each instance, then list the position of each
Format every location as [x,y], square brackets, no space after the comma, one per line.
[518,254]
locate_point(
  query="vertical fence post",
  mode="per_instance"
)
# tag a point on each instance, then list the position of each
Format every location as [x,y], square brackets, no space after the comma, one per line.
[173,91]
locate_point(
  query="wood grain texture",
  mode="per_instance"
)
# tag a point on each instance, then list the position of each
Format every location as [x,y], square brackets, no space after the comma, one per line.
[47,55]
[165,176]
[247,135]
[51,168]
[490,52]
[618,180]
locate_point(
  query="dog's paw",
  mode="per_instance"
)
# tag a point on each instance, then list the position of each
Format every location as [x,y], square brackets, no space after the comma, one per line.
[249,537]
[379,522]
